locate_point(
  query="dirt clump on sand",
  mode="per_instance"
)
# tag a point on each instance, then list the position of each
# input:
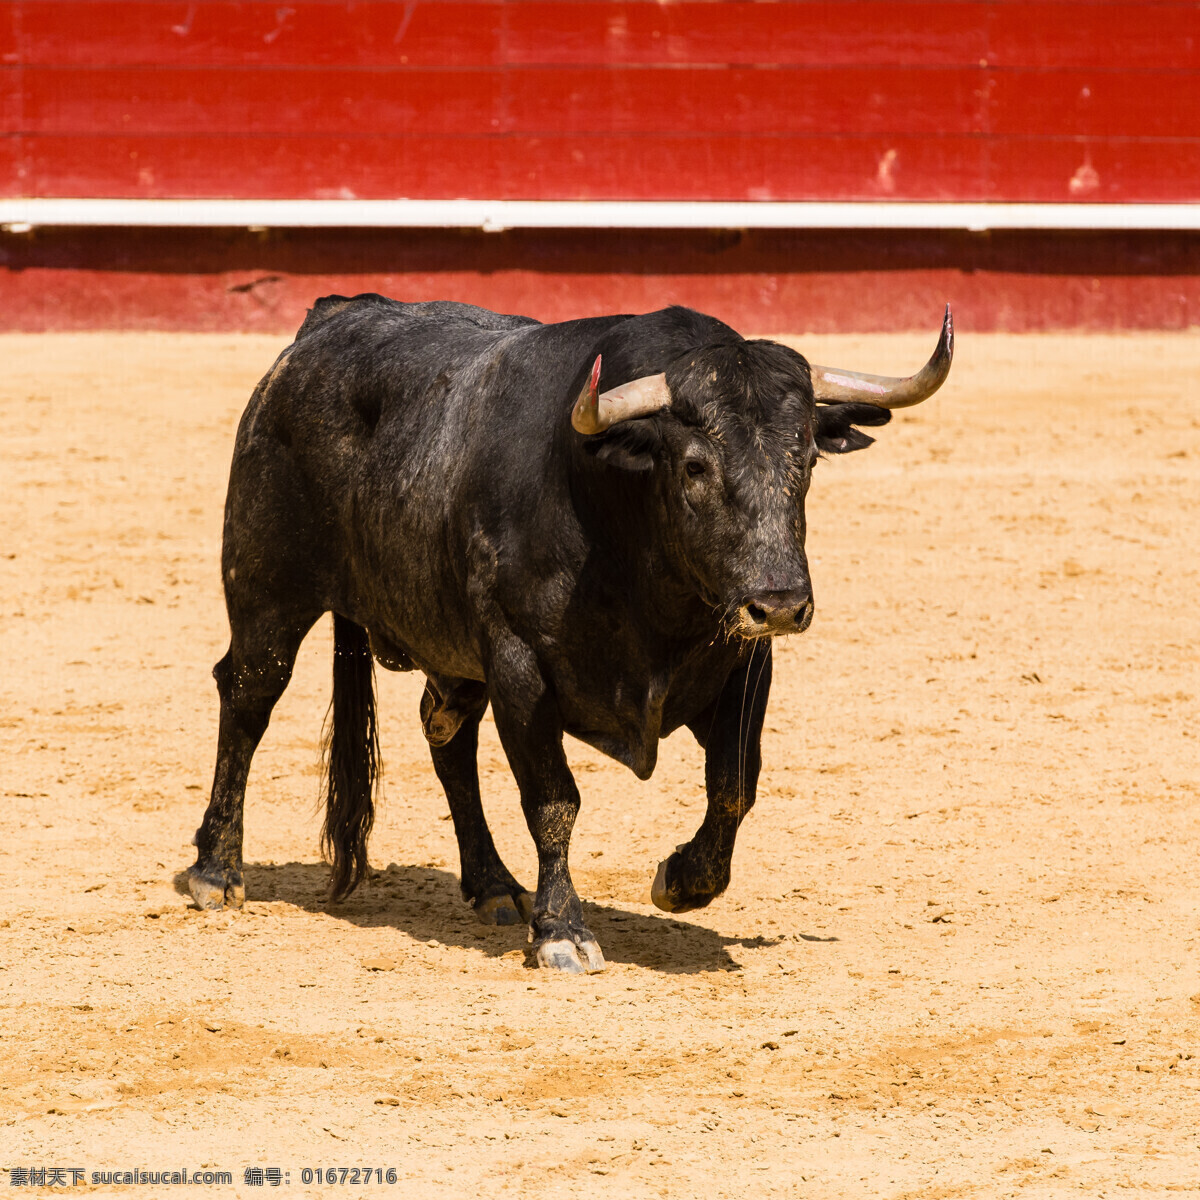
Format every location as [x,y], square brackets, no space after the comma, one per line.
[958,955]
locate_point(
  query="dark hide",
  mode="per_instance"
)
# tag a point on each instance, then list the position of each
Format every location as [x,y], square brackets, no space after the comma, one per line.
[412,468]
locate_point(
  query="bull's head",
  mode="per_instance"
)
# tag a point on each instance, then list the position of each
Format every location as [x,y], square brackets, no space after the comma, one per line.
[747,422]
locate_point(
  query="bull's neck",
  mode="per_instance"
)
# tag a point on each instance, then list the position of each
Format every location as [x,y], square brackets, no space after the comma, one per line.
[629,556]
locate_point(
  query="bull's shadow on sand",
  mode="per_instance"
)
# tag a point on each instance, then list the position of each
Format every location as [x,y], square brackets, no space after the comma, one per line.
[425,903]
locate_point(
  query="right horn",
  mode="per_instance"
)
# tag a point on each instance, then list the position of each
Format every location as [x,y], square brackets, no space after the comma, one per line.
[595,412]
[832,385]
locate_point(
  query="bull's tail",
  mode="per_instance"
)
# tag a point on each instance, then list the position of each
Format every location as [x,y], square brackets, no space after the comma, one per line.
[351,758]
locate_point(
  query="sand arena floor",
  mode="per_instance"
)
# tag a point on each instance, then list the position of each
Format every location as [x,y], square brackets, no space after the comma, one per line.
[959,954]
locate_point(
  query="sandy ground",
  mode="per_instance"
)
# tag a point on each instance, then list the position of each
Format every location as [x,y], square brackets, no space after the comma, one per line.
[959,953]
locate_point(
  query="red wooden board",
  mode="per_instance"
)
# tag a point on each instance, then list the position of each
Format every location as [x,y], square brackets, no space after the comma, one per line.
[585,100]
[759,283]
[1060,33]
[450,33]
[1062,100]
[606,167]
[848,100]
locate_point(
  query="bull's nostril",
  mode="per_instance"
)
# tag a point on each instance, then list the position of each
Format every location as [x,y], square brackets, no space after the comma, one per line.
[756,614]
[802,613]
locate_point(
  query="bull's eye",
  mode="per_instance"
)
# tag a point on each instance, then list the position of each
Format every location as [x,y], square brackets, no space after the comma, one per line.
[695,467]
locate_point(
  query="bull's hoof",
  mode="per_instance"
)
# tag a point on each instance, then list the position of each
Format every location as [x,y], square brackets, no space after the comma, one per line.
[560,956]
[668,891]
[213,893]
[564,955]
[497,910]
[593,957]
[513,908]
[658,889]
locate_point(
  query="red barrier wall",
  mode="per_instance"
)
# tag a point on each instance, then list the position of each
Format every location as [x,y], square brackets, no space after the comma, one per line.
[1062,100]
[557,99]
[758,281]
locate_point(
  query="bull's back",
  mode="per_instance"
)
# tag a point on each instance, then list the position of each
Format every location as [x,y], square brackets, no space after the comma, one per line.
[384,415]
[372,383]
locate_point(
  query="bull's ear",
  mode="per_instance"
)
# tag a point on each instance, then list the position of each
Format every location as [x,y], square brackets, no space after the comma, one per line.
[835,426]
[629,446]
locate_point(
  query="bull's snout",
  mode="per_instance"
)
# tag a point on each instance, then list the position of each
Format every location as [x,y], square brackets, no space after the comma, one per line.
[769,614]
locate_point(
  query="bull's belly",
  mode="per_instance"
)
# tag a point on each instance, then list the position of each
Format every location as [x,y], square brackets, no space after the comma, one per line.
[415,620]
[446,657]
[402,640]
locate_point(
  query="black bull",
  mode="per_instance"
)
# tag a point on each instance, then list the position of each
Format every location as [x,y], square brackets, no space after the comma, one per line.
[597,527]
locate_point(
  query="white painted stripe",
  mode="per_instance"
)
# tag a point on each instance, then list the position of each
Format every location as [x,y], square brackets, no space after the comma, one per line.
[494,215]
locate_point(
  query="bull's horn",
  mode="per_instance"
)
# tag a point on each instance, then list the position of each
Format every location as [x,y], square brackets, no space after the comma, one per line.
[594,413]
[831,385]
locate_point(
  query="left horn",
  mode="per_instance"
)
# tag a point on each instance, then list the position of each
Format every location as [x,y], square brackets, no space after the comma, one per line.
[831,385]
[595,412]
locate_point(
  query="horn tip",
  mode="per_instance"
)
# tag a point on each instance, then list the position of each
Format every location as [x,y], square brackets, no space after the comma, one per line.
[585,416]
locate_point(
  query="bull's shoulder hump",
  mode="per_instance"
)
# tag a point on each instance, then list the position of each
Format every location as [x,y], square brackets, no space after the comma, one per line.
[451,312]
[442,314]
[329,306]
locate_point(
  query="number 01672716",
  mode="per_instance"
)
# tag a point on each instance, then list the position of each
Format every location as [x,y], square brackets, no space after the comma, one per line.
[348,1175]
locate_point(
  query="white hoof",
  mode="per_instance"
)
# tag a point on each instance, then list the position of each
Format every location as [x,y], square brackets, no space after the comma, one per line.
[560,956]
[593,956]
[212,896]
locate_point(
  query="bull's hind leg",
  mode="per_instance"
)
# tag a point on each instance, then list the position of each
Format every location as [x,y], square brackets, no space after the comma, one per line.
[451,710]
[250,679]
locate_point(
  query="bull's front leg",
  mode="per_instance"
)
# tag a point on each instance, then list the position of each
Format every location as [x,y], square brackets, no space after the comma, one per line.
[730,730]
[530,729]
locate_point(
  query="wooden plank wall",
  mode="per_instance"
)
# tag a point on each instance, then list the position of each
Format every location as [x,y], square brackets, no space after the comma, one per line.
[1062,100]
[762,281]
